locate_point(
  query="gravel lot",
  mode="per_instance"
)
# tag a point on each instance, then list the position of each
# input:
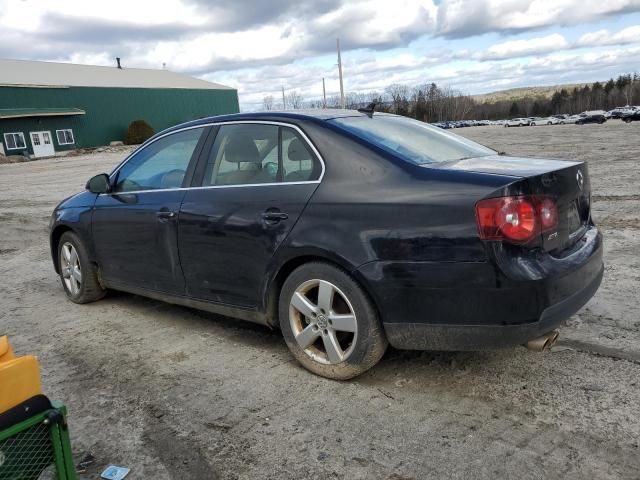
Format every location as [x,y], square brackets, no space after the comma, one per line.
[175,393]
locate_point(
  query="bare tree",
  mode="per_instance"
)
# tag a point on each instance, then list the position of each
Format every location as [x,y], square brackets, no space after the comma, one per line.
[267,102]
[295,100]
[433,103]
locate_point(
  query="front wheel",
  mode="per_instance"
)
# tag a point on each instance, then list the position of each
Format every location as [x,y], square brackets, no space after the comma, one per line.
[627,120]
[329,323]
[78,275]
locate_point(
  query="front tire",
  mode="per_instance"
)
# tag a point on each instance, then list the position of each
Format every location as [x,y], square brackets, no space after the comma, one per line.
[78,275]
[329,323]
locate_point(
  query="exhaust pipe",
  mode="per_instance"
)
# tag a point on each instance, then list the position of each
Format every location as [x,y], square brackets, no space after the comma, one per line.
[544,342]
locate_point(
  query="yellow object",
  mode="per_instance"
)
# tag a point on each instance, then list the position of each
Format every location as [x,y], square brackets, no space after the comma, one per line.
[19,377]
[6,353]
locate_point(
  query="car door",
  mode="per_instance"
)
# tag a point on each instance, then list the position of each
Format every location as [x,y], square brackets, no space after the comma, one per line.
[254,182]
[134,227]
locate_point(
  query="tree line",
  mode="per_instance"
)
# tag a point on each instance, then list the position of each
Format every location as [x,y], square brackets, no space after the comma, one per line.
[430,102]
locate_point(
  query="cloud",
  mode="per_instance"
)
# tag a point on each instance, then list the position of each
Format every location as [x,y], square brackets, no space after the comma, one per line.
[604,37]
[521,48]
[465,18]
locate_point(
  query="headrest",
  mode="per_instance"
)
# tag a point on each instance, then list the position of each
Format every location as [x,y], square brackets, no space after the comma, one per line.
[241,148]
[297,152]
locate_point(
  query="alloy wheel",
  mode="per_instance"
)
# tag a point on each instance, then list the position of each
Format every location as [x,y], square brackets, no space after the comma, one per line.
[323,321]
[70,267]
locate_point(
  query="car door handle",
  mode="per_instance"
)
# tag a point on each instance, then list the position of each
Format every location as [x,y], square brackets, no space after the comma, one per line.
[274,216]
[165,215]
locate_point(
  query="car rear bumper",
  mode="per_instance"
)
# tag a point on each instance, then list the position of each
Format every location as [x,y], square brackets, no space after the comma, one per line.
[474,306]
[424,336]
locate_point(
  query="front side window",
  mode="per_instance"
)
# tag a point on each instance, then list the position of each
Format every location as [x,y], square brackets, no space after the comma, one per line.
[65,137]
[14,141]
[253,154]
[411,140]
[160,165]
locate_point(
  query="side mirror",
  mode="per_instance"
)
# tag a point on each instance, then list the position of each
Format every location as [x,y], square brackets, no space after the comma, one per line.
[99,184]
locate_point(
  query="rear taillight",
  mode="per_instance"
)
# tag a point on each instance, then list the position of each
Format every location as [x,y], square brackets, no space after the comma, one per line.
[547,213]
[516,219]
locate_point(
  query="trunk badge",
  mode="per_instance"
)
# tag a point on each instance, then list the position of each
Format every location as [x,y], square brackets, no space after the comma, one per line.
[580,179]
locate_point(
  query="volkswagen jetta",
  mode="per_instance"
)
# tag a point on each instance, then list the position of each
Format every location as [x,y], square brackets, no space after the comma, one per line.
[346,230]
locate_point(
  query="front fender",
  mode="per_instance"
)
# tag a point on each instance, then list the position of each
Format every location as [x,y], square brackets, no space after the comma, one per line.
[75,219]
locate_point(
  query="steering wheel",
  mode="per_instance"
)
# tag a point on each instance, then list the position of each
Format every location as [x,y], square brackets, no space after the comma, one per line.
[172,178]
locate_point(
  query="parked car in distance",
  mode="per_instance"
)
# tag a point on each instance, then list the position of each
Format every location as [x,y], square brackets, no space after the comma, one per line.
[545,121]
[591,117]
[562,118]
[631,116]
[620,112]
[278,218]
[517,122]
[570,119]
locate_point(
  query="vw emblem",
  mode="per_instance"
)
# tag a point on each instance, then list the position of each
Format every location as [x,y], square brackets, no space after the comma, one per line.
[580,179]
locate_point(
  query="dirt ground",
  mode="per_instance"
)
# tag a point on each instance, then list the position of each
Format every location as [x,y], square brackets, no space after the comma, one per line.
[175,393]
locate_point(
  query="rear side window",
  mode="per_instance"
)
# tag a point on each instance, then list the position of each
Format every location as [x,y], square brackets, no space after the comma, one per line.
[411,140]
[298,162]
[162,164]
[243,154]
[254,154]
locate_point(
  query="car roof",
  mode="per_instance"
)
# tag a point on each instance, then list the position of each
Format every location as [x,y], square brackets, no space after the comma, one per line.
[316,115]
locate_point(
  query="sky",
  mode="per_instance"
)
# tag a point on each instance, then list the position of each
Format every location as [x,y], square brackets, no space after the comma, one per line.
[260,46]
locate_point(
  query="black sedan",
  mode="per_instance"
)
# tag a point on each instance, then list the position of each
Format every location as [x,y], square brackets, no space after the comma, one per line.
[588,117]
[631,117]
[346,230]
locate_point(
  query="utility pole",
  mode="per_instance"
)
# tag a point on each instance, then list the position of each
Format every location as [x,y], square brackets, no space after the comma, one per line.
[324,95]
[284,103]
[340,73]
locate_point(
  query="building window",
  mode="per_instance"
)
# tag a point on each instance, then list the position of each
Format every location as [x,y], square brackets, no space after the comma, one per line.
[65,137]
[14,141]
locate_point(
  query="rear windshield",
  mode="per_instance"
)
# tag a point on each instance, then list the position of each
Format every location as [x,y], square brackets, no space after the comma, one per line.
[411,140]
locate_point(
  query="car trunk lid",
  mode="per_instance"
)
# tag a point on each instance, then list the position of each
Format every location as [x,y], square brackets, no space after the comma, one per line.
[567,182]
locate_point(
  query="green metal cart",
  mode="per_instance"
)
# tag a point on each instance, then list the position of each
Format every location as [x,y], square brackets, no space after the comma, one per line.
[38,447]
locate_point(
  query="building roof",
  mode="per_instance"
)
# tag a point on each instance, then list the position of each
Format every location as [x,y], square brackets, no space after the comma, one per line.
[39,112]
[26,73]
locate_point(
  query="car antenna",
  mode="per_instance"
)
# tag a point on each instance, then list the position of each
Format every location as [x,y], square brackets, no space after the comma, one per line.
[369,109]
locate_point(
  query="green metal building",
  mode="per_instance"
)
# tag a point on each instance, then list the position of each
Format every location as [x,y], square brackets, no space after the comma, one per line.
[49,107]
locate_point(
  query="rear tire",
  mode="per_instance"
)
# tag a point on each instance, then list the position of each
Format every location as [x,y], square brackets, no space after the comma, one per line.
[79,277]
[329,323]
[627,120]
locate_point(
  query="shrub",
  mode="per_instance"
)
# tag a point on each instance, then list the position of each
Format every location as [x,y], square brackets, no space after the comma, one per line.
[138,132]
